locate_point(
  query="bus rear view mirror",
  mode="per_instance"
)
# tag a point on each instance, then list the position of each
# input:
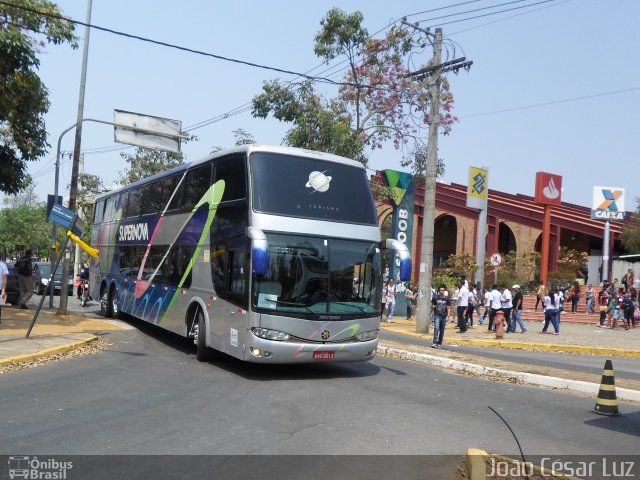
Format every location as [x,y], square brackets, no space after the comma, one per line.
[405,258]
[259,251]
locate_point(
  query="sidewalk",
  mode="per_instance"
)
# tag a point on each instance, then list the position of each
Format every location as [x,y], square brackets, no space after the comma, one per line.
[573,339]
[51,334]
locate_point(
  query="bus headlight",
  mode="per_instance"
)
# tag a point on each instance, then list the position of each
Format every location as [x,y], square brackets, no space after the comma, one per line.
[268,334]
[366,336]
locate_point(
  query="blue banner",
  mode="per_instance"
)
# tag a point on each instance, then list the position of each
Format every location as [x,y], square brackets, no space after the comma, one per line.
[404,188]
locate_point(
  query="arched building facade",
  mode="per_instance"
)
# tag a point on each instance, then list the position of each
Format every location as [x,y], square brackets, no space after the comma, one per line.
[514,223]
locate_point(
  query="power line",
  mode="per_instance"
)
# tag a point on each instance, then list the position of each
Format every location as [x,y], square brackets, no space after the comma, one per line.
[554,102]
[492,13]
[174,46]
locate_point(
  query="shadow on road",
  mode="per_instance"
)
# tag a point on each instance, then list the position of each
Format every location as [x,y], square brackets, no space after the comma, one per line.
[253,371]
[628,423]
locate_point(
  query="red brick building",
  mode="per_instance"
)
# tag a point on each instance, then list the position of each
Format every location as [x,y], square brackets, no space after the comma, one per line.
[514,223]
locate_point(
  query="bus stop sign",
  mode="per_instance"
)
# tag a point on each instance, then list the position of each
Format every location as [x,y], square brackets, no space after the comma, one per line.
[65,218]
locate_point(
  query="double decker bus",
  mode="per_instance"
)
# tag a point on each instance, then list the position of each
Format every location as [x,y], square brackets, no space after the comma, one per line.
[268,254]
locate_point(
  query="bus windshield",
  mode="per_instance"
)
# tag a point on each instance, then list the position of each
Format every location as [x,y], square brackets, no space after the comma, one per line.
[314,277]
[314,188]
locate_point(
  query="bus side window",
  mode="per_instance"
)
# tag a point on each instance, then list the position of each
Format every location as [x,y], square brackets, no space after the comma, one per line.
[196,183]
[237,291]
[133,209]
[168,186]
[218,264]
[98,212]
[233,171]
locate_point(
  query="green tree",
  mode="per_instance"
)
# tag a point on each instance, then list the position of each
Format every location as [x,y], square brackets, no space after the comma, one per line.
[146,162]
[376,102]
[89,186]
[242,138]
[24,224]
[23,96]
[630,235]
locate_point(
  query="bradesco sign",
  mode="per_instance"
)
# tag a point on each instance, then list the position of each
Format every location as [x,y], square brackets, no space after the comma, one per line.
[608,203]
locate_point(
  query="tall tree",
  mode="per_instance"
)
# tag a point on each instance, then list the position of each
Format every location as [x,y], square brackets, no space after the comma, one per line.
[26,26]
[377,101]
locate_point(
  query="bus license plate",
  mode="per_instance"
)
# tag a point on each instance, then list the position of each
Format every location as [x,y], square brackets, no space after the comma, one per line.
[324,355]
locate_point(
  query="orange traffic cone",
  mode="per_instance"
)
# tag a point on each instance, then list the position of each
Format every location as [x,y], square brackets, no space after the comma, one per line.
[607,403]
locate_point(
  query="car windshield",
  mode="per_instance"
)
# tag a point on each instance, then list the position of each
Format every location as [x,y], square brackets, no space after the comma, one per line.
[45,270]
[314,277]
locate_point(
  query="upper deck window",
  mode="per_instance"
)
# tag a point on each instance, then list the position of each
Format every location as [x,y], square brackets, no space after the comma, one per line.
[310,188]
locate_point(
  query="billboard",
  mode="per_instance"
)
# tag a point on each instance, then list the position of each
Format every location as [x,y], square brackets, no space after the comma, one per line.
[477,188]
[548,188]
[608,203]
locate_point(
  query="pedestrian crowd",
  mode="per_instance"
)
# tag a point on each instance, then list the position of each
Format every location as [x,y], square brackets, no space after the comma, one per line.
[616,302]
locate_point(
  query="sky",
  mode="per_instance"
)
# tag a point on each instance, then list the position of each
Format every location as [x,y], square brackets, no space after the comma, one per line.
[554,86]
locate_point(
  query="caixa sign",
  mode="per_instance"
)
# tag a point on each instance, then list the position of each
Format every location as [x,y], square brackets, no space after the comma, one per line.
[606,215]
[135,232]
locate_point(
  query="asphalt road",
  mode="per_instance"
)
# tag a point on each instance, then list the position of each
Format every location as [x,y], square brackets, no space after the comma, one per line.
[149,395]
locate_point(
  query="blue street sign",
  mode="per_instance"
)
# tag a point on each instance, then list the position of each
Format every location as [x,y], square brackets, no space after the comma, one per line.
[65,218]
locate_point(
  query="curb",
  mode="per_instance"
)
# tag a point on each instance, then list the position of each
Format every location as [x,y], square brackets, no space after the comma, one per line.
[493,373]
[529,346]
[47,352]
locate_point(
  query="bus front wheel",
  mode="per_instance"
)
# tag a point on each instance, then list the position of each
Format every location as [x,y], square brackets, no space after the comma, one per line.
[203,353]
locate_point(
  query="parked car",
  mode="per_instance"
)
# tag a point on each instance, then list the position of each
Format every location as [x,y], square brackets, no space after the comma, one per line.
[13,292]
[41,274]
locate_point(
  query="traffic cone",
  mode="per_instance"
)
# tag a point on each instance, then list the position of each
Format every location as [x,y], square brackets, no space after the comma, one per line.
[607,403]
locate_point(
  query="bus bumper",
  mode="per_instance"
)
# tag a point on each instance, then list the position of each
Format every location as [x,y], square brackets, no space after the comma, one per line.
[269,351]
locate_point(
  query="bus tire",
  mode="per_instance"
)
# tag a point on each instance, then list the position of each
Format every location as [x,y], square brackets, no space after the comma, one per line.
[115,307]
[105,304]
[203,353]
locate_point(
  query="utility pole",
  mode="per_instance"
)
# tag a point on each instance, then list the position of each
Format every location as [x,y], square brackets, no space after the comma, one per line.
[435,69]
[429,209]
[73,189]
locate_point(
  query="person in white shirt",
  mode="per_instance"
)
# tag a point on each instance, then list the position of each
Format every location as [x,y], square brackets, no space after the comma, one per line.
[463,305]
[507,304]
[495,299]
[390,297]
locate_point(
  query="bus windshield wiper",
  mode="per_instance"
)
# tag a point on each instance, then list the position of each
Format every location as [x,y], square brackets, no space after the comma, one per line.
[362,309]
[292,304]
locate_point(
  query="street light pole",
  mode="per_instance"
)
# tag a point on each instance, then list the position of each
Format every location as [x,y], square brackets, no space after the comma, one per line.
[73,189]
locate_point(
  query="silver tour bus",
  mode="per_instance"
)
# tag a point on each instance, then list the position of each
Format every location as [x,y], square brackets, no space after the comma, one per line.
[268,254]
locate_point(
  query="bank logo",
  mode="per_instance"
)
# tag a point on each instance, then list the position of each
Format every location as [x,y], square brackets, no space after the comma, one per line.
[551,191]
[479,181]
[608,203]
[610,197]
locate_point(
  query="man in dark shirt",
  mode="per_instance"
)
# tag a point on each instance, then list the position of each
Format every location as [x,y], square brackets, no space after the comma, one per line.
[441,304]
[516,312]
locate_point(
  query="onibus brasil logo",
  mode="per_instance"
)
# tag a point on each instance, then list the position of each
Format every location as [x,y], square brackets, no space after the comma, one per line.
[35,468]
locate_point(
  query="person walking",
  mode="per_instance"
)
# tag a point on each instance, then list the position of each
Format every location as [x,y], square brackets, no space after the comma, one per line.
[494,304]
[516,313]
[507,304]
[540,294]
[551,307]
[604,306]
[471,306]
[440,305]
[574,295]
[590,299]
[410,296]
[463,305]
[390,297]
[478,292]
[4,274]
[24,269]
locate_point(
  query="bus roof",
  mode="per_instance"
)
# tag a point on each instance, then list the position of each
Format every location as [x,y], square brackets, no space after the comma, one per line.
[248,149]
